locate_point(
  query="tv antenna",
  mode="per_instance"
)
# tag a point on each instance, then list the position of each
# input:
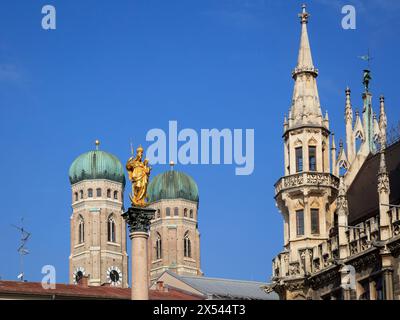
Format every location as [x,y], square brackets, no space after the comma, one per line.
[22,250]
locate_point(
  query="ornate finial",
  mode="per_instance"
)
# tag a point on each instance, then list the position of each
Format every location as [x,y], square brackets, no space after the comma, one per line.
[348,91]
[304,15]
[172,164]
[341,144]
[333,142]
[97,143]
[381,99]
[357,113]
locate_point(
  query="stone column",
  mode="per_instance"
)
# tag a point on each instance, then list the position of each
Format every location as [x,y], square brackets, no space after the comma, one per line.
[387,273]
[138,220]
[388,283]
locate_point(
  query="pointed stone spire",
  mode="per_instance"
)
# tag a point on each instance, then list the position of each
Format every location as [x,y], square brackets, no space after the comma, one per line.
[358,127]
[348,116]
[382,122]
[305,58]
[305,101]
[285,123]
[377,130]
[342,161]
[342,210]
[333,156]
[384,194]
[348,109]
[326,120]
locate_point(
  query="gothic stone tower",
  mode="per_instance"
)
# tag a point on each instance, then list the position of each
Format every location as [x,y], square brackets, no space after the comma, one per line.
[174,242]
[305,194]
[98,232]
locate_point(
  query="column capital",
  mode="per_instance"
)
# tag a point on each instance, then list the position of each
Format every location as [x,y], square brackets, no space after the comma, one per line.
[138,219]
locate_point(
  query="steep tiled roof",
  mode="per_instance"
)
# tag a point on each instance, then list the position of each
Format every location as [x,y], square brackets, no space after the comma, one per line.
[34,290]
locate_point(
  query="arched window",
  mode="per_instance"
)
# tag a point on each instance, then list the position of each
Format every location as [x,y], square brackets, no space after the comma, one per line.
[314,221]
[185,212]
[176,211]
[158,214]
[90,193]
[111,229]
[299,159]
[81,230]
[76,196]
[312,158]
[187,248]
[158,247]
[81,194]
[300,223]
[98,192]
[116,195]
[191,213]
[108,193]
[168,212]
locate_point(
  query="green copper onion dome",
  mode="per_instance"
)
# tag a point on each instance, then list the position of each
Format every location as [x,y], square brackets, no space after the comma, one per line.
[96,164]
[172,185]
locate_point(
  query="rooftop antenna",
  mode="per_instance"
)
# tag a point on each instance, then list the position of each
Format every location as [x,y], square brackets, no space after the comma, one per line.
[22,250]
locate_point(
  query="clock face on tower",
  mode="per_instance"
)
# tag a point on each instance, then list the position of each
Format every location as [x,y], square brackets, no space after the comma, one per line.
[78,274]
[114,276]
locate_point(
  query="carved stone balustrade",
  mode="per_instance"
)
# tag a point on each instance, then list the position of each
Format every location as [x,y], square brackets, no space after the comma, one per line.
[313,179]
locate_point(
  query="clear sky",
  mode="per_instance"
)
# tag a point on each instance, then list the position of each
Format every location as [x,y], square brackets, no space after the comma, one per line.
[113,70]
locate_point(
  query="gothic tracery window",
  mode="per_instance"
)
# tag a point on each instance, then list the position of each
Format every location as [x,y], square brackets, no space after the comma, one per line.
[314,221]
[300,222]
[299,159]
[312,158]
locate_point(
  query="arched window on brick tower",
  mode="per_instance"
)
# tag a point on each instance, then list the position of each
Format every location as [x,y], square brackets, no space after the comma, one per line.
[158,247]
[187,248]
[81,230]
[111,229]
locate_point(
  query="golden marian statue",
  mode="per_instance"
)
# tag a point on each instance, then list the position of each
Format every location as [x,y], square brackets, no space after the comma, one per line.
[139,174]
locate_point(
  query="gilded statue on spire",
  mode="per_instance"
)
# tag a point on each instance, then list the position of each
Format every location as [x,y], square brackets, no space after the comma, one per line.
[139,174]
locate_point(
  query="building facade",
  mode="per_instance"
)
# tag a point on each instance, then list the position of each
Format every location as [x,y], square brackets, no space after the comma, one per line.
[174,242]
[340,207]
[98,231]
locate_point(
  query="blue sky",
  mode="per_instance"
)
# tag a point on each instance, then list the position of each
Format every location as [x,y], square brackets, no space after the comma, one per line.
[114,70]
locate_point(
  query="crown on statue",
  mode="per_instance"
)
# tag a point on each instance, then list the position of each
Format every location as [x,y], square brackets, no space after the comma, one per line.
[139,149]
